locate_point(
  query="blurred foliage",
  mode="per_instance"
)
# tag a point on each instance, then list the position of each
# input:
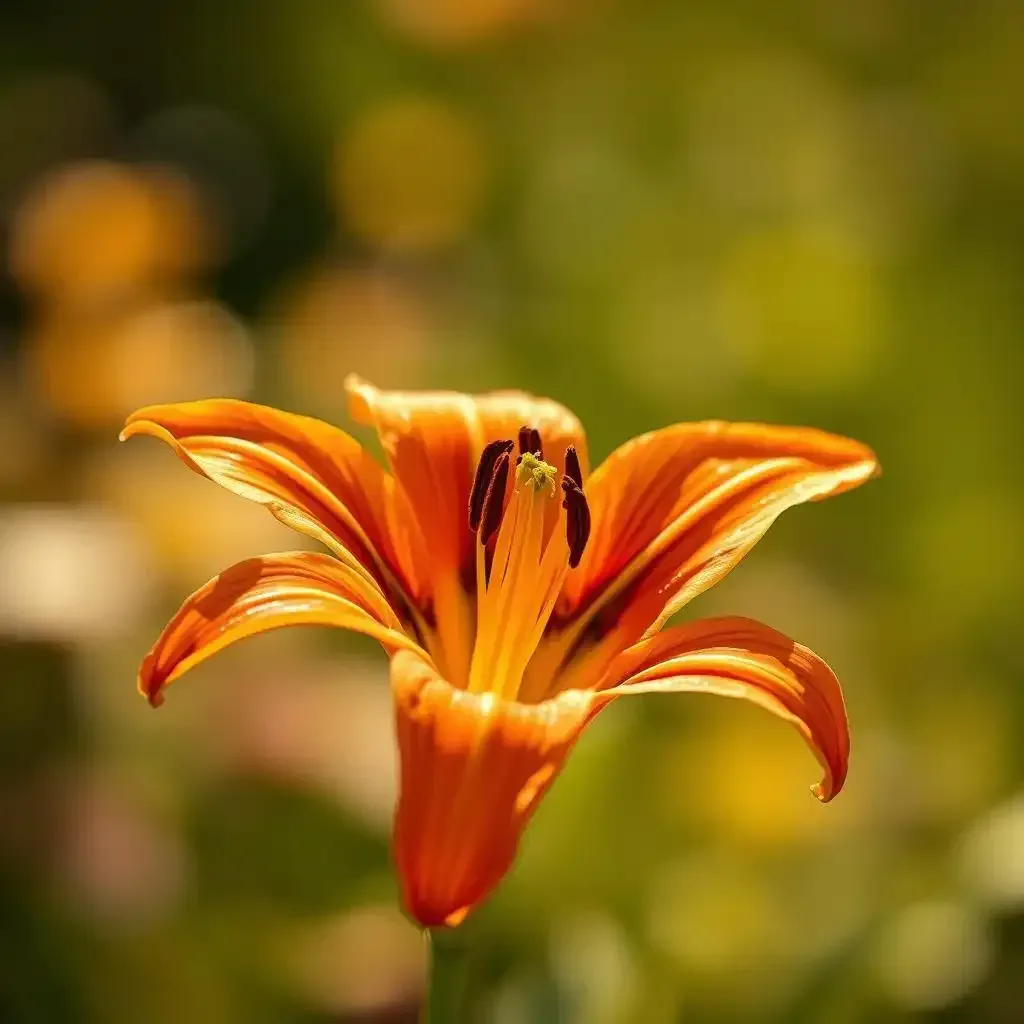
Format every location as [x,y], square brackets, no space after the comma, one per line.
[797,212]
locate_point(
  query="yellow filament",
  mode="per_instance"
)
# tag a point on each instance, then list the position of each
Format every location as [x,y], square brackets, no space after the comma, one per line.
[515,604]
[526,576]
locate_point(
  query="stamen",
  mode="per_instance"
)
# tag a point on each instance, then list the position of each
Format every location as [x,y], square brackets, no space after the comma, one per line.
[524,440]
[494,501]
[572,467]
[482,482]
[519,574]
[529,442]
[577,520]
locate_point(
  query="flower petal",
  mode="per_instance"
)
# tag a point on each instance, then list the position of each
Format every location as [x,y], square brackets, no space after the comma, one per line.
[473,769]
[433,440]
[259,594]
[676,509]
[737,657]
[312,476]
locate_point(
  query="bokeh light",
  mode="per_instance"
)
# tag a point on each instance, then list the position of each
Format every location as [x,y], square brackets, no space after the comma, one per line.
[91,232]
[69,573]
[653,212]
[793,334]
[410,175]
[932,954]
[334,320]
[991,856]
[457,23]
[95,369]
[382,962]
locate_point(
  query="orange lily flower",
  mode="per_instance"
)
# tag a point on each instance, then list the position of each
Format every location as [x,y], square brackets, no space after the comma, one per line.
[516,594]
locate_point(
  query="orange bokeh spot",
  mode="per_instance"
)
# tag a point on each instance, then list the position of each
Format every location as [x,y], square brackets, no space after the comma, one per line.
[91,370]
[93,231]
[458,22]
[337,320]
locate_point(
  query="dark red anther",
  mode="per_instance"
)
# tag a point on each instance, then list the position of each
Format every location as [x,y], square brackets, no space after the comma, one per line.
[494,501]
[524,440]
[484,476]
[577,520]
[572,467]
[529,441]
[535,445]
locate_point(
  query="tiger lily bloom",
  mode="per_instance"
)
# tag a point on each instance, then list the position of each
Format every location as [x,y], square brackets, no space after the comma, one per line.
[515,593]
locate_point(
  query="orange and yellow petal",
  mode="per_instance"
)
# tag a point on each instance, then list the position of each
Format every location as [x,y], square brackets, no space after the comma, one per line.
[474,766]
[292,589]
[433,440]
[744,659]
[312,476]
[473,769]
[676,509]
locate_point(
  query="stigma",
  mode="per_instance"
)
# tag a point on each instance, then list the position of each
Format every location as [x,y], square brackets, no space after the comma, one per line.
[521,562]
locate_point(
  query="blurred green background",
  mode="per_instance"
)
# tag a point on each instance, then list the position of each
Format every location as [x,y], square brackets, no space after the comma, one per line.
[807,212]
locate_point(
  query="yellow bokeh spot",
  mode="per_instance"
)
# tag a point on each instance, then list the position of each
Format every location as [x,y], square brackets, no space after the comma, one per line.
[931,954]
[744,776]
[713,914]
[799,310]
[409,176]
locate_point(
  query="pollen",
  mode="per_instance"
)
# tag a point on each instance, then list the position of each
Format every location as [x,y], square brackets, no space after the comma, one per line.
[537,473]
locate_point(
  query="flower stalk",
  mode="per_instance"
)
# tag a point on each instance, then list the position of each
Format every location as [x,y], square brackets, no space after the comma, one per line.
[448,981]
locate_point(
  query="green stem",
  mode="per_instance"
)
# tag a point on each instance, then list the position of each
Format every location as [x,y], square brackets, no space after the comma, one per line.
[449,974]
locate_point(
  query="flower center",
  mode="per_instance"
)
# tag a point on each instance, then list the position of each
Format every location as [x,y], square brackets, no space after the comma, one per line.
[521,562]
